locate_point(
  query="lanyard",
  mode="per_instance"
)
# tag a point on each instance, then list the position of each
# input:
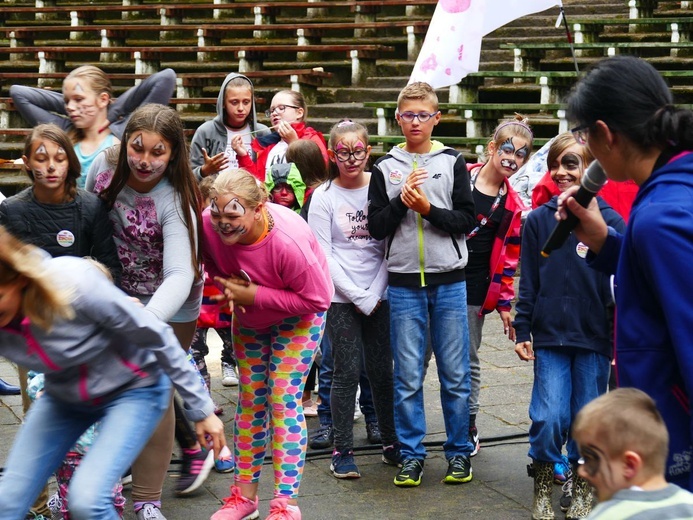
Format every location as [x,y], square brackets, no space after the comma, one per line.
[483,221]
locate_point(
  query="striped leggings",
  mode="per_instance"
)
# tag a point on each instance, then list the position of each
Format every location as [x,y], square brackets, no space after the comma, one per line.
[273,365]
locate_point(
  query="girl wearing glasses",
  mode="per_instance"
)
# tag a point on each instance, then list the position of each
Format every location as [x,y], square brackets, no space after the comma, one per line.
[358,323]
[625,113]
[287,115]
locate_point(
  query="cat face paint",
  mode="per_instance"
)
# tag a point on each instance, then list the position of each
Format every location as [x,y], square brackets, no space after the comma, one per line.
[49,165]
[509,155]
[148,156]
[567,169]
[83,105]
[230,219]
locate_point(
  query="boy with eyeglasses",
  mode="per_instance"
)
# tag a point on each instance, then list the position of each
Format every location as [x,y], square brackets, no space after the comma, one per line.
[421,203]
[624,445]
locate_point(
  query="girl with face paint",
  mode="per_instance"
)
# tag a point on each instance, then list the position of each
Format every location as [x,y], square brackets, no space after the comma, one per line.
[494,245]
[561,324]
[274,274]
[155,205]
[87,110]
[287,114]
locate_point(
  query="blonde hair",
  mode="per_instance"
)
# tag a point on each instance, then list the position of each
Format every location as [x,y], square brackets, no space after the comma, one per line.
[518,126]
[42,300]
[627,419]
[561,143]
[97,81]
[418,90]
[242,183]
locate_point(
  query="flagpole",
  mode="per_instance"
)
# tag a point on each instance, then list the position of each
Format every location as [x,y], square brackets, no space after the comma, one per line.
[570,40]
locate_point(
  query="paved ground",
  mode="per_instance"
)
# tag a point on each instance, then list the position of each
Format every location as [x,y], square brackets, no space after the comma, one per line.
[500,489]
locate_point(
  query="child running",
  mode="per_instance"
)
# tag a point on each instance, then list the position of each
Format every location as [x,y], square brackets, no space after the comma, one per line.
[87,110]
[358,322]
[154,206]
[275,277]
[105,359]
[210,150]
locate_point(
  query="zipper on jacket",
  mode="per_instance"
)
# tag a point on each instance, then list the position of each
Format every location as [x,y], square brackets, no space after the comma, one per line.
[420,234]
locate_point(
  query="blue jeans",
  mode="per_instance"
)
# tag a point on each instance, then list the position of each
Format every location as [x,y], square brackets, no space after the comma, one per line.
[565,380]
[51,429]
[445,308]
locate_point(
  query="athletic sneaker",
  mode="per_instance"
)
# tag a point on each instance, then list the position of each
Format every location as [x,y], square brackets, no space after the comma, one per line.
[561,471]
[343,465]
[474,439]
[281,510]
[150,512]
[373,433]
[410,474]
[567,494]
[323,438]
[55,504]
[196,468]
[224,464]
[237,507]
[392,455]
[459,470]
[229,376]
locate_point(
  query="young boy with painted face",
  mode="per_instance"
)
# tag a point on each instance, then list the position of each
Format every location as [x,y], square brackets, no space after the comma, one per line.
[624,445]
[561,324]
[210,149]
[421,203]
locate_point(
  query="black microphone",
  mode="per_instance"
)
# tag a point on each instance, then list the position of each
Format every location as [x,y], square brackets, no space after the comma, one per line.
[592,181]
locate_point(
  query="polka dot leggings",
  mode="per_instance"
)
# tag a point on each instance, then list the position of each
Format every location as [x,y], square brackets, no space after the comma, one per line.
[273,365]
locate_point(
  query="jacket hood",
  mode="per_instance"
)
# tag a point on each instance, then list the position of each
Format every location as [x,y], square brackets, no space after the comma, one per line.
[399,153]
[287,173]
[219,119]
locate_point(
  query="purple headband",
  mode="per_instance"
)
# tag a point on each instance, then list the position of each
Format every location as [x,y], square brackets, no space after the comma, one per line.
[508,123]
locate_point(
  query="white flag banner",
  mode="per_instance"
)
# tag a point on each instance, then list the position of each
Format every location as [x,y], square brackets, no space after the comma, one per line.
[452,46]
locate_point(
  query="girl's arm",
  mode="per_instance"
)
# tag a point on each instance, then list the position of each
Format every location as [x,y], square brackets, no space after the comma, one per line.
[179,273]
[103,247]
[37,105]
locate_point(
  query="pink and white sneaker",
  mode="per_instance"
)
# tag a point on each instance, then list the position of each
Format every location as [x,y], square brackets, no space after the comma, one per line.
[238,507]
[280,509]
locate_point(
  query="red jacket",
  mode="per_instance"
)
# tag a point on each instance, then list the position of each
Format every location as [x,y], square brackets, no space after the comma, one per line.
[263,144]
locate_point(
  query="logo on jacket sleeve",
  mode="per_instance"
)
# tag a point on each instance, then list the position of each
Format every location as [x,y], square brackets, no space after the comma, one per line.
[396,177]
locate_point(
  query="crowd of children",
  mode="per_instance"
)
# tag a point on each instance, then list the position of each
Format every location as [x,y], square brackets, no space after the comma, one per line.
[391,260]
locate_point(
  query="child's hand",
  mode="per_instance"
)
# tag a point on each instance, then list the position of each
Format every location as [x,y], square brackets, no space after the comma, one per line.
[524,350]
[238,146]
[214,164]
[508,328]
[212,426]
[413,196]
[237,291]
[287,132]
[417,178]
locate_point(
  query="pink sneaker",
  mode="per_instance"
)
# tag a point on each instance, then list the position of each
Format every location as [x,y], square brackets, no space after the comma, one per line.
[281,510]
[237,507]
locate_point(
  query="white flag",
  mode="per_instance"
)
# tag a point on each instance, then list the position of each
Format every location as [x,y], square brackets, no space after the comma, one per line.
[452,46]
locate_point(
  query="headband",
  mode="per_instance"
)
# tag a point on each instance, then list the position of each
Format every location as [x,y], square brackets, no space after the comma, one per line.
[508,123]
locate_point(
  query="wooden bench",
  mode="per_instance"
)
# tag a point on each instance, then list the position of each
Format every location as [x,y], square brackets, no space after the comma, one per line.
[588,30]
[529,55]
[480,118]
[250,57]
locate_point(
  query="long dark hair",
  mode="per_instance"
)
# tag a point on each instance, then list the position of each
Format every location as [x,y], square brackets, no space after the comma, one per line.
[166,122]
[632,98]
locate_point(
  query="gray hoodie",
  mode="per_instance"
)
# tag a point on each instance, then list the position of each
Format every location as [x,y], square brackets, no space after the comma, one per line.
[213,135]
[112,345]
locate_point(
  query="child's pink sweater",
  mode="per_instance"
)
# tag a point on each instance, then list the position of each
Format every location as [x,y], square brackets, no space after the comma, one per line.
[288,265]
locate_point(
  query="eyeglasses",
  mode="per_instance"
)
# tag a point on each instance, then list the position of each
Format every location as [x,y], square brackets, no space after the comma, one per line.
[580,133]
[279,109]
[344,155]
[408,117]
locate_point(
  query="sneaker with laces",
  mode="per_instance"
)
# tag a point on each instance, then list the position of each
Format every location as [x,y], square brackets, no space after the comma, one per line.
[459,470]
[229,376]
[373,433]
[224,464]
[474,439]
[150,512]
[561,471]
[343,465]
[196,467]
[567,494]
[280,509]
[55,504]
[323,438]
[410,474]
[392,455]
[237,507]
